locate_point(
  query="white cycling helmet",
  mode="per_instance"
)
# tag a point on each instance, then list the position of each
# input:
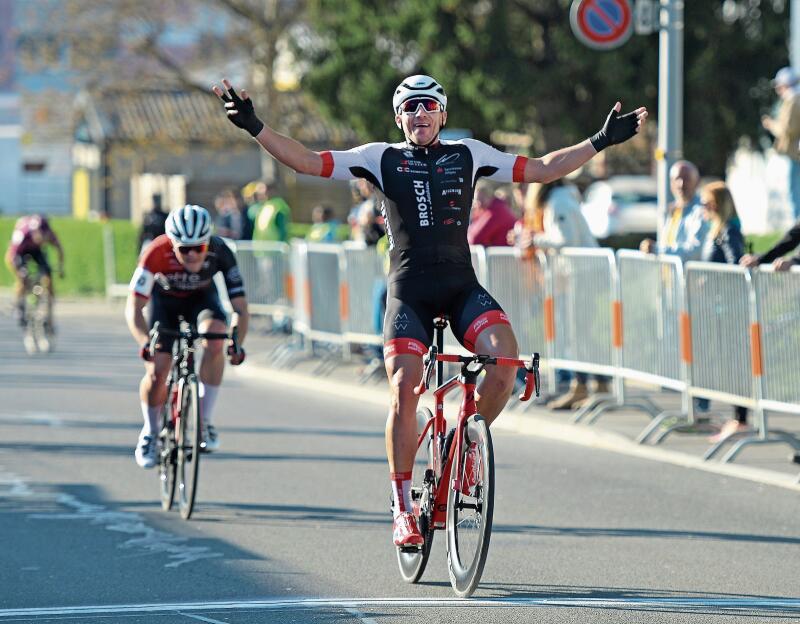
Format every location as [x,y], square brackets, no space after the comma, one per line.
[189,225]
[419,86]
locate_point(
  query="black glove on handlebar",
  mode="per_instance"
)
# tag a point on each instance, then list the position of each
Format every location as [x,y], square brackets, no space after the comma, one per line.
[617,129]
[241,112]
[144,352]
[235,356]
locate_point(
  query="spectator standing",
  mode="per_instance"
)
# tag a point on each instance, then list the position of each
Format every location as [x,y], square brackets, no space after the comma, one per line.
[785,127]
[491,218]
[228,222]
[323,228]
[684,231]
[271,216]
[370,218]
[152,223]
[250,209]
[724,243]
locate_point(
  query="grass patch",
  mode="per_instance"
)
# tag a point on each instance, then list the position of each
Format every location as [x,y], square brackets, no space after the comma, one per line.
[84,263]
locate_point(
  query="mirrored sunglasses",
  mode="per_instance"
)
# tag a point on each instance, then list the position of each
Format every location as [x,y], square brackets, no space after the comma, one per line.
[428,104]
[185,249]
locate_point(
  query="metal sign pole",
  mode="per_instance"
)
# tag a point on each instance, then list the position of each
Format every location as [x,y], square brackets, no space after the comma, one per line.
[670,99]
[794,35]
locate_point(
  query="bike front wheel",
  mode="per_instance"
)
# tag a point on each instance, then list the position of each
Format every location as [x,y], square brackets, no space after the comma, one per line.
[412,562]
[470,509]
[188,447]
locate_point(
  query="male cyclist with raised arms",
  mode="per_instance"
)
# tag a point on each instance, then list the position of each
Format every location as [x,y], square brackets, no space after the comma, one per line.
[175,276]
[426,187]
[28,240]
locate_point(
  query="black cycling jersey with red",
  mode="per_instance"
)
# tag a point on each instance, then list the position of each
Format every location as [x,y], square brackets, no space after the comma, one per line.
[426,196]
[160,268]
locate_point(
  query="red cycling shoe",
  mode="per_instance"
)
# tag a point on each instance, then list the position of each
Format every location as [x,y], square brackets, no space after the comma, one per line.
[406,532]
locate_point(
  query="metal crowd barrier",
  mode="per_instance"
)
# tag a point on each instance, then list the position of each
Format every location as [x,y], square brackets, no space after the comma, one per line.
[363,272]
[519,283]
[656,347]
[778,294]
[265,269]
[705,330]
[727,363]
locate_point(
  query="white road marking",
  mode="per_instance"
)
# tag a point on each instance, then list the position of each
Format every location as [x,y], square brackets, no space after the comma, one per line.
[361,616]
[143,539]
[202,619]
[49,418]
[678,604]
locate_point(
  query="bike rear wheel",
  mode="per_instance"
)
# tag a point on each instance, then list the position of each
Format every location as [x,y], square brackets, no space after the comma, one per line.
[412,562]
[469,511]
[188,447]
[167,458]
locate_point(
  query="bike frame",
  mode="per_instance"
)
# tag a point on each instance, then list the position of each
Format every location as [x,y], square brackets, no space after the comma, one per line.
[468,408]
[466,380]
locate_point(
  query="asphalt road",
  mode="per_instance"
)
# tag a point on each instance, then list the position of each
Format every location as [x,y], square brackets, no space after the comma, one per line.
[292,521]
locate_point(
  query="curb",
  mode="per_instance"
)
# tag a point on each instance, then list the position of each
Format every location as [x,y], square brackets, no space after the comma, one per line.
[535,426]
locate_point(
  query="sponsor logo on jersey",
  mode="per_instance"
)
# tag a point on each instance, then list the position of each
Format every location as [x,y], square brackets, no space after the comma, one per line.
[413,346]
[185,281]
[407,169]
[448,158]
[450,221]
[484,299]
[408,153]
[401,321]
[451,191]
[234,275]
[424,204]
[481,322]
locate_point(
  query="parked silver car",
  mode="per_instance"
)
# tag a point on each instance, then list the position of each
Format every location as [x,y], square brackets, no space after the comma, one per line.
[625,204]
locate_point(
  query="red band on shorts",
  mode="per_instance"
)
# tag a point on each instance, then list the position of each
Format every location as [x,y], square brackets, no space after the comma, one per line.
[327,164]
[519,169]
[404,346]
[485,320]
[399,476]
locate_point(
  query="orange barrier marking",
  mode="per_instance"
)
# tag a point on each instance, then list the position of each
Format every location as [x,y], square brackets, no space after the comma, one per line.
[755,349]
[686,337]
[549,320]
[288,282]
[616,324]
[344,302]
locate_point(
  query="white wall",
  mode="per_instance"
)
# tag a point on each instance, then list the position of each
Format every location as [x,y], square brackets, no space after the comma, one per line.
[759,183]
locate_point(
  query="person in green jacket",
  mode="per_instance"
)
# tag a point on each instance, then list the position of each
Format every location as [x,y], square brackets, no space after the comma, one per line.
[271,216]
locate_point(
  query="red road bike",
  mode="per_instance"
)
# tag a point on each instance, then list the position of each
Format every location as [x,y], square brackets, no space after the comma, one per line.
[444,495]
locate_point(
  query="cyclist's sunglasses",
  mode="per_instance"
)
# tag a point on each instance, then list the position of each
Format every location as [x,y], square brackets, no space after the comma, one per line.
[428,104]
[185,249]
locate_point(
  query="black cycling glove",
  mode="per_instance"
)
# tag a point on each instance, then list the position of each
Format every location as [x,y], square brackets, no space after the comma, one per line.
[244,115]
[617,129]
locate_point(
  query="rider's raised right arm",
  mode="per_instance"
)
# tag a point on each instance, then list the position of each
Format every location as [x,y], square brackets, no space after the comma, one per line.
[290,152]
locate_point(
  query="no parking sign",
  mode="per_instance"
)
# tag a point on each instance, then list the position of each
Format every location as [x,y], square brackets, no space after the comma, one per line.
[602,24]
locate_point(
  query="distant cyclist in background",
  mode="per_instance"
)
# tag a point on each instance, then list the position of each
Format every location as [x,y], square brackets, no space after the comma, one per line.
[30,236]
[175,276]
[426,187]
